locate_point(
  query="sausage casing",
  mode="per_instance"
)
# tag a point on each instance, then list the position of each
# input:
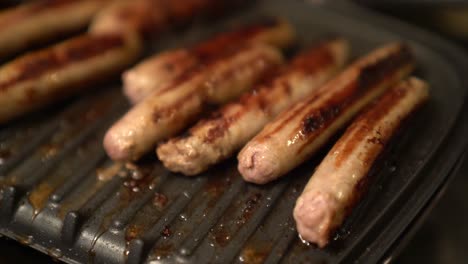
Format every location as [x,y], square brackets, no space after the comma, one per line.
[41,77]
[334,189]
[41,20]
[154,73]
[167,111]
[300,131]
[144,17]
[214,139]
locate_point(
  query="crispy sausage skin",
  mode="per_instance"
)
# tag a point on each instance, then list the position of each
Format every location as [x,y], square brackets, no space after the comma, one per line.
[216,138]
[41,77]
[157,71]
[122,16]
[41,20]
[167,111]
[333,189]
[149,17]
[297,133]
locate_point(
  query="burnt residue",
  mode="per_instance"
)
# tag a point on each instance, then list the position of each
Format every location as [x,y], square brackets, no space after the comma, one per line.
[216,186]
[160,200]
[46,61]
[132,232]
[250,206]
[221,236]
[166,232]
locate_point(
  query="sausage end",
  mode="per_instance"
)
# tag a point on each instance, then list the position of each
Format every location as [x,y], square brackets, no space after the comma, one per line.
[314,214]
[115,148]
[257,164]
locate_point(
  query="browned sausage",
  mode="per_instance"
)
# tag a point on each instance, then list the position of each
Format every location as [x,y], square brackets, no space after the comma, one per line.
[333,189]
[41,77]
[297,133]
[167,111]
[155,72]
[41,20]
[143,16]
[214,139]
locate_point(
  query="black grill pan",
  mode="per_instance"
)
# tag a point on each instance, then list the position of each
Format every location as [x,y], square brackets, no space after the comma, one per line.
[60,194]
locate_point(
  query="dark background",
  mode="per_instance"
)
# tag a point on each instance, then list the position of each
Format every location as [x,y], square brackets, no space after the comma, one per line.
[443,236]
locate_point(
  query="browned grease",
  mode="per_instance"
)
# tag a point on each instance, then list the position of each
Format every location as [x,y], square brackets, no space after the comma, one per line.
[160,200]
[254,255]
[38,198]
[105,174]
[250,206]
[73,51]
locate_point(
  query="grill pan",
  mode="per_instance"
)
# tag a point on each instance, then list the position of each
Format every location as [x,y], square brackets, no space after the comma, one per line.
[60,194]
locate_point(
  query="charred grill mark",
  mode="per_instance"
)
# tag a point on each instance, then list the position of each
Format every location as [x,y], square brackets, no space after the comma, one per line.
[369,77]
[364,123]
[169,110]
[309,63]
[319,119]
[221,126]
[46,61]
[221,119]
[259,61]
[290,115]
[211,48]
[200,65]
[373,74]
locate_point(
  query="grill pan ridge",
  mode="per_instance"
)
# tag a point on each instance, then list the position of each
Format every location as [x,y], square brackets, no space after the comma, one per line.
[60,194]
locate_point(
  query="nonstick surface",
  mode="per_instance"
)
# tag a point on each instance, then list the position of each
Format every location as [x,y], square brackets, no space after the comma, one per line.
[60,193]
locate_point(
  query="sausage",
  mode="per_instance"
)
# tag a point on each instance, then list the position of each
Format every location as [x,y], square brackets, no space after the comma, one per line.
[157,71]
[335,187]
[297,133]
[181,11]
[41,20]
[41,77]
[149,17]
[146,17]
[167,111]
[216,138]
